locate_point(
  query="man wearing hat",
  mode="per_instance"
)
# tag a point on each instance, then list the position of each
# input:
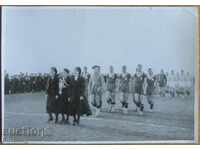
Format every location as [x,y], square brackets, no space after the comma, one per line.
[96,86]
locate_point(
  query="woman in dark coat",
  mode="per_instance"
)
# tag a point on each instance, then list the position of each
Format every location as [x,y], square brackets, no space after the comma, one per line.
[52,94]
[77,94]
[64,95]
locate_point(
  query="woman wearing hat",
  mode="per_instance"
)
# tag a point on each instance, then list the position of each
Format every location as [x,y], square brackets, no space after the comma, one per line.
[52,94]
[77,94]
[64,95]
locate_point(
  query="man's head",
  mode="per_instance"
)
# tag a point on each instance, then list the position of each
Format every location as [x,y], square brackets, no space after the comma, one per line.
[84,69]
[77,71]
[66,72]
[161,71]
[96,69]
[139,68]
[111,69]
[182,72]
[53,71]
[172,72]
[150,71]
[124,69]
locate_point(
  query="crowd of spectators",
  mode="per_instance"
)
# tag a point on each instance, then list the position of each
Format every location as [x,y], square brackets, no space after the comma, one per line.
[24,82]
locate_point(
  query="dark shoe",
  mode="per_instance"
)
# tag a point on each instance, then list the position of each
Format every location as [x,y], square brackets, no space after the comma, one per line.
[77,122]
[141,107]
[66,122]
[56,121]
[151,106]
[113,103]
[126,105]
[62,121]
[74,123]
[122,103]
[89,113]
[50,119]
[109,101]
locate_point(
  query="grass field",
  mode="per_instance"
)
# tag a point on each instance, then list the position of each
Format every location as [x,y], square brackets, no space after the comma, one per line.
[172,119]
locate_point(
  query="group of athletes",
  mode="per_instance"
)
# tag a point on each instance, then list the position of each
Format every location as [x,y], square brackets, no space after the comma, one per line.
[77,93]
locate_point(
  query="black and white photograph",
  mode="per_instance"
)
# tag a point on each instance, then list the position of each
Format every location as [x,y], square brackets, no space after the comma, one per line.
[99,75]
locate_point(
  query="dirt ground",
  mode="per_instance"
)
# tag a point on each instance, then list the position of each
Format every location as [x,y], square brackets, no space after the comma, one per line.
[172,119]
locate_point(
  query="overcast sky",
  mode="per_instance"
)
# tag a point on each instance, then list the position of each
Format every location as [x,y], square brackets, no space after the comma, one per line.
[36,38]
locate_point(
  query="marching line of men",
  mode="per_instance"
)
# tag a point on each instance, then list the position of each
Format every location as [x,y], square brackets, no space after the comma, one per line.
[78,93]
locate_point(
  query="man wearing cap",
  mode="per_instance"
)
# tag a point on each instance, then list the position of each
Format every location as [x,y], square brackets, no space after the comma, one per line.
[95,89]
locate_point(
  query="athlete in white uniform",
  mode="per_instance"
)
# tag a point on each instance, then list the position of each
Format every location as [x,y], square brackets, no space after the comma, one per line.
[189,83]
[96,89]
[177,81]
[182,84]
[111,88]
[171,83]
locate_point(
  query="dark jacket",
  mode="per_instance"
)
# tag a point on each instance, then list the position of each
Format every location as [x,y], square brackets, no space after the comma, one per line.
[63,101]
[52,91]
[66,91]
[77,90]
[52,86]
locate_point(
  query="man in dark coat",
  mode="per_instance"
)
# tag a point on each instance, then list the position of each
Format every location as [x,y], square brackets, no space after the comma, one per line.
[77,94]
[52,94]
